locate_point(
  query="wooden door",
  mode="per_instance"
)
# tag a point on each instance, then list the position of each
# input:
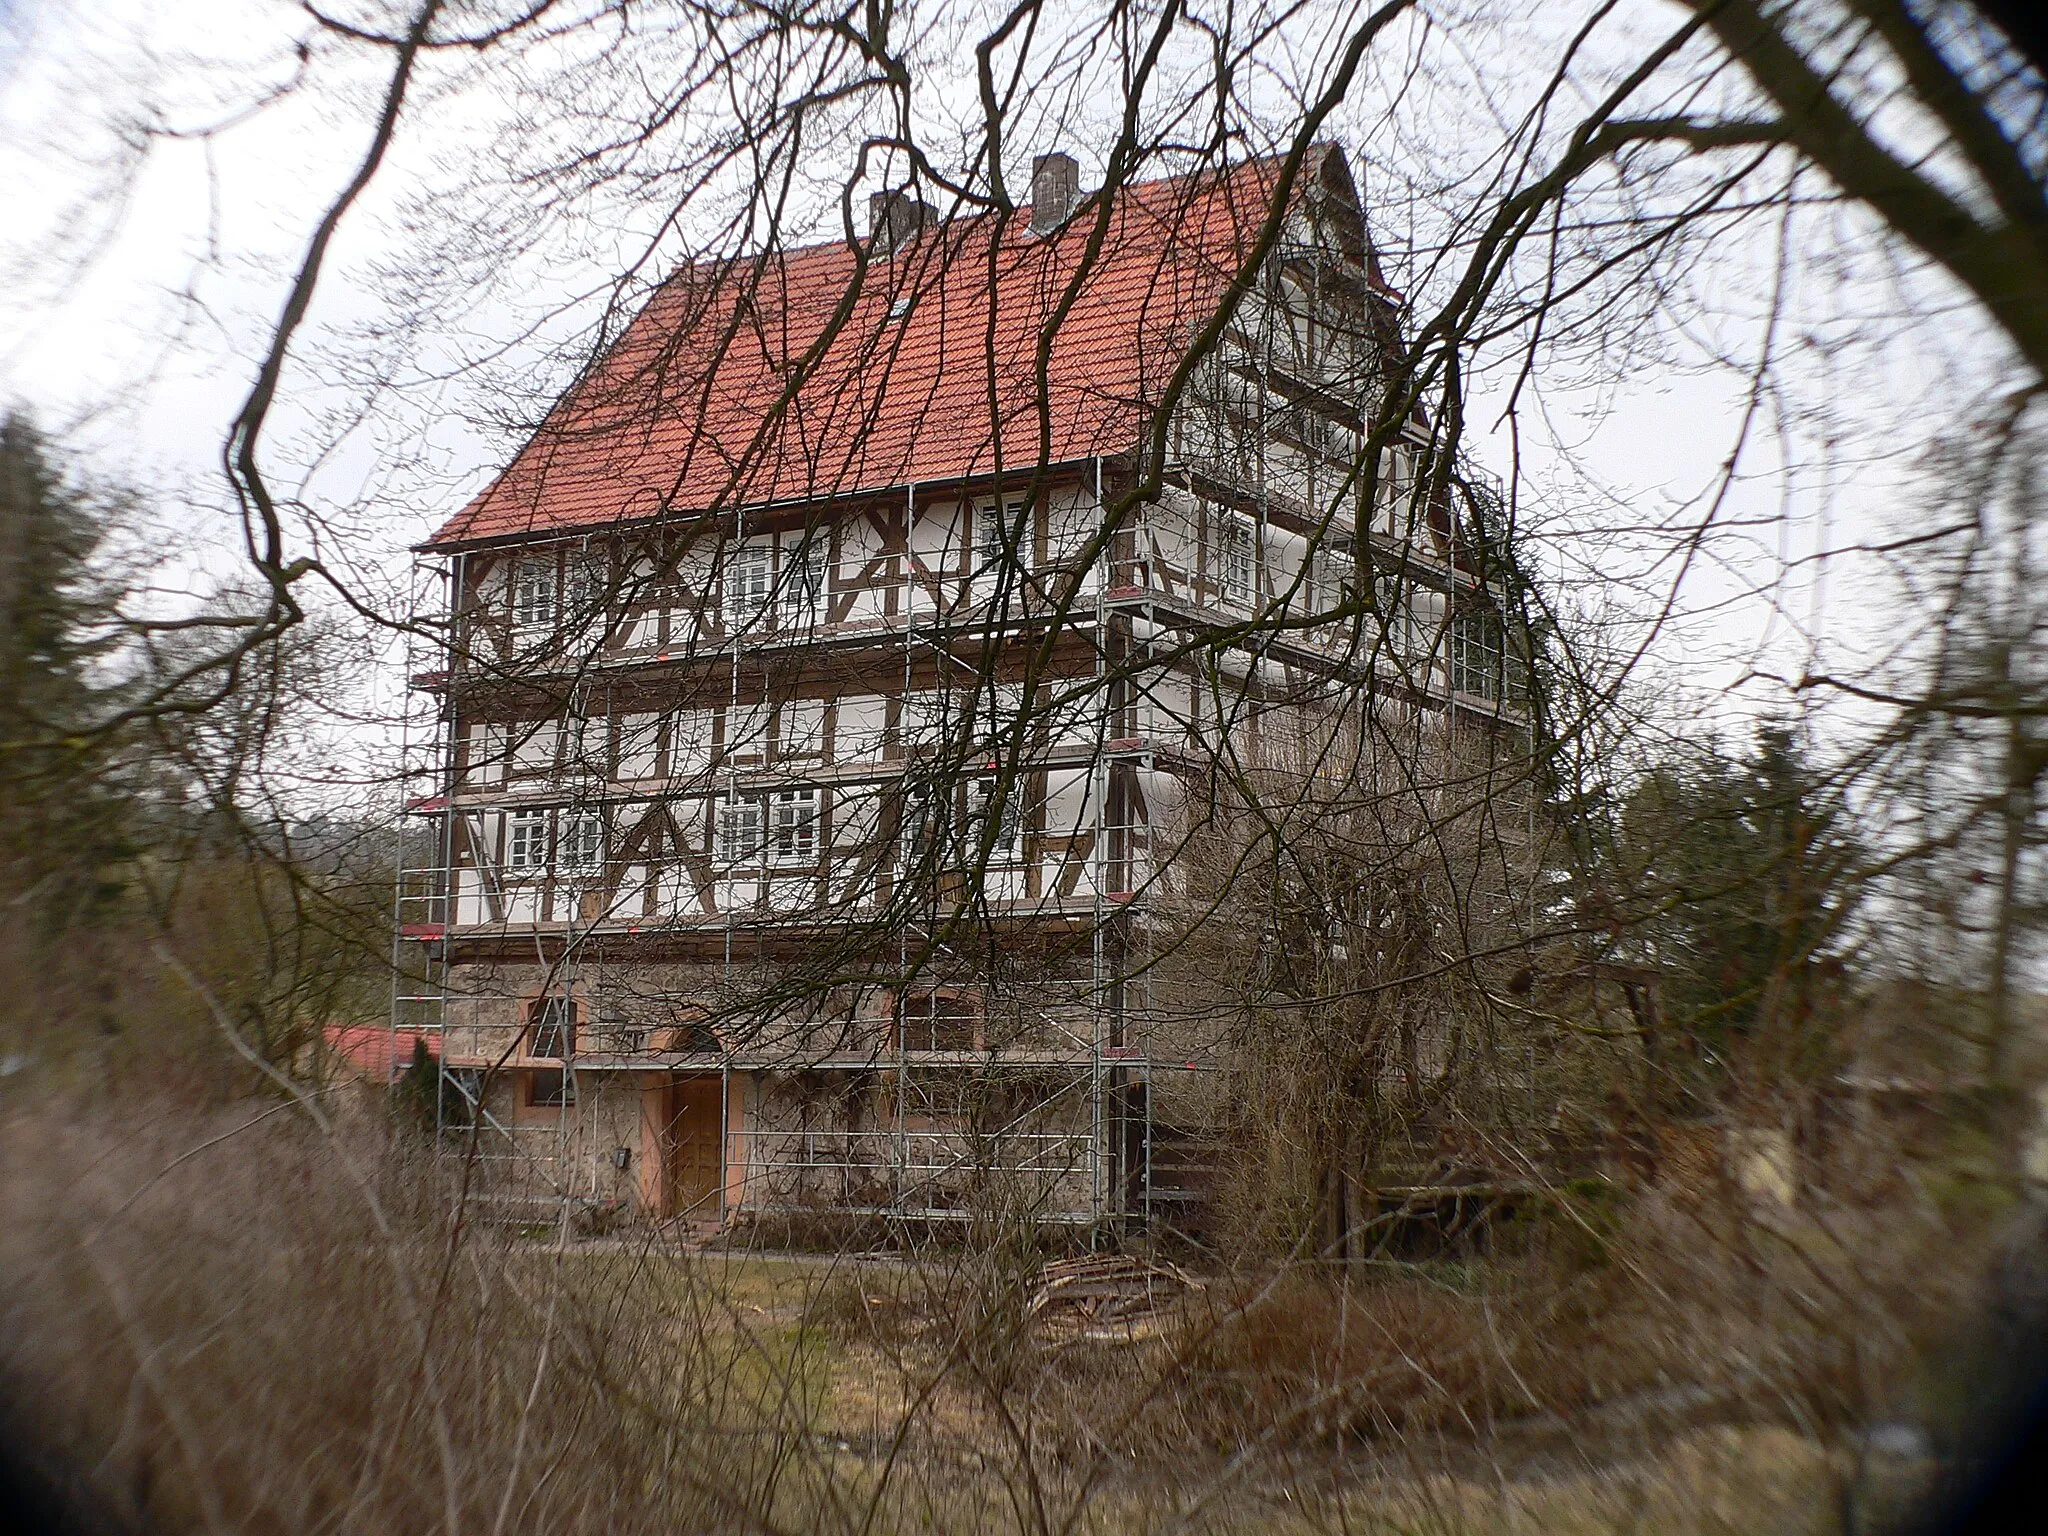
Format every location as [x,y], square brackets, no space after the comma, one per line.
[696,1130]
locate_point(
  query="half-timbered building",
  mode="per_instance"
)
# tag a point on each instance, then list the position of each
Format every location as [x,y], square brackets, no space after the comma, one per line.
[832,674]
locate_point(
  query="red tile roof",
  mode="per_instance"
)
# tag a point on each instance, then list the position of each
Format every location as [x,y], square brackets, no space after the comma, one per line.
[681,416]
[377,1051]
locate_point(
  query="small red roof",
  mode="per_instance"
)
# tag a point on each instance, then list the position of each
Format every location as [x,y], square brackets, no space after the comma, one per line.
[938,344]
[377,1051]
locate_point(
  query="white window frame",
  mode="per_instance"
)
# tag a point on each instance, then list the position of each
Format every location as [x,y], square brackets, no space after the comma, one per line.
[993,523]
[742,826]
[526,843]
[552,1021]
[1237,560]
[749,592]
[1009,839]
[792,826]
[580,848]
[807,579]
[585,588]
[536,597]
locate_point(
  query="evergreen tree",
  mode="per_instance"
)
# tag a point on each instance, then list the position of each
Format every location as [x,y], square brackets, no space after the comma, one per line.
[1742,875]
[60,810]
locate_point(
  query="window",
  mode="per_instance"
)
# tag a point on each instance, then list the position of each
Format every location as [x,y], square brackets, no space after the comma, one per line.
[808,578]
[1339,578]
[981,798]
[916,827]
[794,838]
[740,829]
[549,1088]
[553,1021]
[526,841]
[747,584]
[1235,566]
[583,592]
[582,844]
[1480,664]
[943,1020]
[1475,653]
[533,596]
[1002,537]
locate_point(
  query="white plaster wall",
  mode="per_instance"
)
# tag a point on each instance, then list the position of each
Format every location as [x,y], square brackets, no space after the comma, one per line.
[858,723]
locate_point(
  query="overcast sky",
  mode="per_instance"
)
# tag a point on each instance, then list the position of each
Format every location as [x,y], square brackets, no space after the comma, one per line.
[139,293]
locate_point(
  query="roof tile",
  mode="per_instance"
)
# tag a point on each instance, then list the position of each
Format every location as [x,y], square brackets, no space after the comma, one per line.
[691,410]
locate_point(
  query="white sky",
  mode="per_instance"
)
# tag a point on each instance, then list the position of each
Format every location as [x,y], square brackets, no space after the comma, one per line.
[135,330]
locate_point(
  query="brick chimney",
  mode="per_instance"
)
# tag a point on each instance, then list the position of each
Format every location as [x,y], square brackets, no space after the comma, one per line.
[894,218]
[1055,190]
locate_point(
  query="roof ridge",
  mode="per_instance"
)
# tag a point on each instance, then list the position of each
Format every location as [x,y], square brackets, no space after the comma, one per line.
[840,243]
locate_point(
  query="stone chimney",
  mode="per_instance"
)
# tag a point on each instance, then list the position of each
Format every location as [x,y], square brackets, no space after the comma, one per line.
[1055,190]
[894,218]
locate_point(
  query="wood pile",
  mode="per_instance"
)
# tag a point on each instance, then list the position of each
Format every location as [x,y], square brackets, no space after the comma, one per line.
[1108,1296]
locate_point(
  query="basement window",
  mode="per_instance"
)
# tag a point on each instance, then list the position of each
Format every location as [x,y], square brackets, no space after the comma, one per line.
[549,1088]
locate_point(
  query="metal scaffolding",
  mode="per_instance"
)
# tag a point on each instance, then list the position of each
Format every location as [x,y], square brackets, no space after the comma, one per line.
[899,1113]
[1067,1126]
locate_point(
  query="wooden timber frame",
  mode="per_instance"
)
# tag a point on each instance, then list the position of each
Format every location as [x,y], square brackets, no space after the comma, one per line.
[549,883]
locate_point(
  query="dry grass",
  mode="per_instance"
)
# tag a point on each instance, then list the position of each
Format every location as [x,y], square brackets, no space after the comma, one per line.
[231,1321]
